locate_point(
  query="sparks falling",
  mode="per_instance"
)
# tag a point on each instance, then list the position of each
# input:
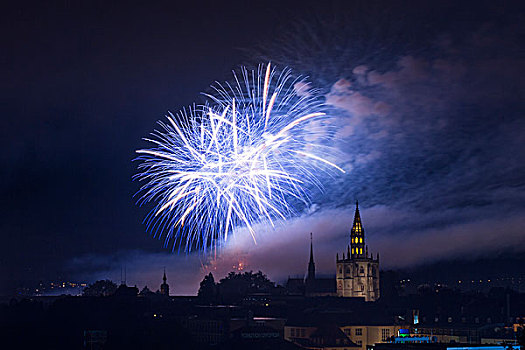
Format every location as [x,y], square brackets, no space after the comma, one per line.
[250,155]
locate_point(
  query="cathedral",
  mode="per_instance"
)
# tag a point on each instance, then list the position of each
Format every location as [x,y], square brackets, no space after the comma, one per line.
[357,273]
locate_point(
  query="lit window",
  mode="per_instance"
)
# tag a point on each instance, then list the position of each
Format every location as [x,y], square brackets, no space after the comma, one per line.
[361,240]
[352,250]
[385,334]
[360,250]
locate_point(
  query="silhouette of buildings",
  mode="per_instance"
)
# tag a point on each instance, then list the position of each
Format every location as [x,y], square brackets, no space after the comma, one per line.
[247,311]
[436,318]
[125,291]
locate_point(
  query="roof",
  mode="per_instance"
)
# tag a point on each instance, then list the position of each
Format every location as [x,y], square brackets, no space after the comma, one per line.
[295,285]
[321,285]
[342,312]
[326,336]
[332,336]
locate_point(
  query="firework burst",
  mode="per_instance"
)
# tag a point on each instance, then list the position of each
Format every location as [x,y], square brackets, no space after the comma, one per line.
[250,155]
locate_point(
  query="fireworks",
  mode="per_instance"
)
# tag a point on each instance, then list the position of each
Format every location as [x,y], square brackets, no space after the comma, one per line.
[248,156]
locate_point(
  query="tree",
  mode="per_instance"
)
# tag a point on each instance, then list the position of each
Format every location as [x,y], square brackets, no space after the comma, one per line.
[100,288]
[235,286]
[208,289]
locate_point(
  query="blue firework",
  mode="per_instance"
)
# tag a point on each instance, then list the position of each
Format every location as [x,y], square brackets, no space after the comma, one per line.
[243,158]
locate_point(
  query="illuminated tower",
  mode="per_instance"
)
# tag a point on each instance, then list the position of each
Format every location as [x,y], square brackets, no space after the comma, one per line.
[357,273]
[357,236]
[164,287]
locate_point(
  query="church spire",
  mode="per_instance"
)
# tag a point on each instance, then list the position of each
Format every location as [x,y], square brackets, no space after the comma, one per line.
[357,235]
[311,249]
[311,264]
[164,287]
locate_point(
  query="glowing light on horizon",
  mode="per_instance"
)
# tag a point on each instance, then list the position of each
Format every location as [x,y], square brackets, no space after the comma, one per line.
[241,159]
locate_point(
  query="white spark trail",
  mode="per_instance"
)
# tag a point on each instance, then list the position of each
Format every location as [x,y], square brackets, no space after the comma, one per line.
[238,160]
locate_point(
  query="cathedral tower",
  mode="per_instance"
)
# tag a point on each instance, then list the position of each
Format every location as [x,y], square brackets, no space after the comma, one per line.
[357,273]
[164,287]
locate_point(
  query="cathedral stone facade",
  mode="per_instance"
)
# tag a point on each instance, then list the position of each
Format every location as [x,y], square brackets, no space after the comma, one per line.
[357,273]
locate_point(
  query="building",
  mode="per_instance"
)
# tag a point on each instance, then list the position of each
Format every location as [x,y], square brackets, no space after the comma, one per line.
[311,285]
[357,273]
[366,336]
[315,286]
[255,337]
[164,287]
[326,337]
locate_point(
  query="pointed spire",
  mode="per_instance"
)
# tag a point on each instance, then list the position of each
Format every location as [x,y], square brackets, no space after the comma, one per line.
[311,264]
[311,249]
[164,277]
[357,235]
[357,216]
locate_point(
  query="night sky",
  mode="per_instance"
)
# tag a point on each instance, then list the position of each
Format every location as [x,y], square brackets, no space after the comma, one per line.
[430,101]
